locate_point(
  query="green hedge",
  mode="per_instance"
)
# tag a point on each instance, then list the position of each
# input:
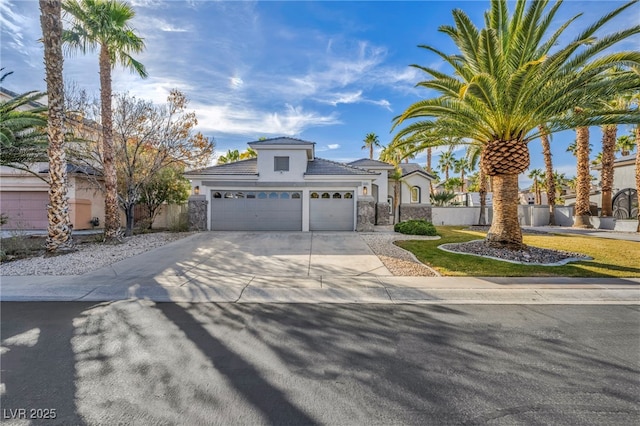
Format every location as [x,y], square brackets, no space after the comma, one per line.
[416,227]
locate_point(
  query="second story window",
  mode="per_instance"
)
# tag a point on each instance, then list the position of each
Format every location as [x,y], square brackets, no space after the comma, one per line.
[281,164]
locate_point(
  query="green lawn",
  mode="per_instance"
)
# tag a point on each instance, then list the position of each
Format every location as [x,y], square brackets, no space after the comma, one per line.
[611,258]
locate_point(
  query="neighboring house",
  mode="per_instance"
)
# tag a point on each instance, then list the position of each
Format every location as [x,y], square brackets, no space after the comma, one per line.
[287,188]
[24,197]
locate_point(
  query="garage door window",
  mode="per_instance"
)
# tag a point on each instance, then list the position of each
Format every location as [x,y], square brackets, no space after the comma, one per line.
[262,195]
[337,195]
[314,195]
[348,195]
[295,195]
[217,195]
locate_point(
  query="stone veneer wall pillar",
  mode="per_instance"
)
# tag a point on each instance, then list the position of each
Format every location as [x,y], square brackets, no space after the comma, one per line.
[415,211]
[382,214]
[198,213]
[366,214]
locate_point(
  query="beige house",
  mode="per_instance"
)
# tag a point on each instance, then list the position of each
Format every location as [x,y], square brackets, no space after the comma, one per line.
[24,196]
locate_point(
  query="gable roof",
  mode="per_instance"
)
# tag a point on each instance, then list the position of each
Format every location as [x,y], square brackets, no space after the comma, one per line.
[369,163]
[281,141]
[242,167]
[410,168]
[320,166]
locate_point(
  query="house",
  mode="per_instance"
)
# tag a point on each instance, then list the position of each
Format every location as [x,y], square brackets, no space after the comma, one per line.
[288,188]
[24,195]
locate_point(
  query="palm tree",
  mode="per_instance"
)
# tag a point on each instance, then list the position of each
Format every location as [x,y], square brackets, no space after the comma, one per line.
[104,24]
[249,153]
[461,165]
[638,172]
[59,228]
[229,157]
[446,162]
[22,136]
[370,142]
[545,140]
[582,210]
[536,175]
[509,78]
[625,144]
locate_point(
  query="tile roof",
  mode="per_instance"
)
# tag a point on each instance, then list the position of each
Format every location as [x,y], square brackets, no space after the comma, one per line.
[242,167]
[281,141]
[408,168]
[320,166]
[367,162]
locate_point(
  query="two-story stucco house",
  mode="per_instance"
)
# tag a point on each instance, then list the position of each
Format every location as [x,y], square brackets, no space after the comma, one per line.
[287,188]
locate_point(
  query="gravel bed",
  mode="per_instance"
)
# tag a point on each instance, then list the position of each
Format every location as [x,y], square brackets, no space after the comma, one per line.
[89,256]
[530,255]
[398,261]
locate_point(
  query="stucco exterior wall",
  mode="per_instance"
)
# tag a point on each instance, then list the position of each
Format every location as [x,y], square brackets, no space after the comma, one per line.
[297,165]
[411,181]
[624,177]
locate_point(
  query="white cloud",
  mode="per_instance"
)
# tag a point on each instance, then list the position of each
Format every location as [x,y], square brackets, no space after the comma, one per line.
[226,119]
[333,146]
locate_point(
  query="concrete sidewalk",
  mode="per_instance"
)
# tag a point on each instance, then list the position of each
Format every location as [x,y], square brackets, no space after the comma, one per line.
[326,289]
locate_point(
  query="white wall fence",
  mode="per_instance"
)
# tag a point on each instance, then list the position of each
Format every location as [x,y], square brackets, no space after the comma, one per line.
[528,215]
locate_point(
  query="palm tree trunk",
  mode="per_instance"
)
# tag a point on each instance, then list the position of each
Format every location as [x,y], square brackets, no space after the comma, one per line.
[59,227]
[583,185]
[609,134]
[429,160]
[551,182]
[638,172]
[483,198]
[505,230]
[112,219]
[371,152]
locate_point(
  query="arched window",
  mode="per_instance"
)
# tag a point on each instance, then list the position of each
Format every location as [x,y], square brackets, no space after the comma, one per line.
[217,195]
[251,195]
[296,195]
[337,195]
[239,194]
[326,195]
[273,195]
[348,195]
[415,194]
[390,201]
[262,195]
[228,195]
[314,195]
[284,195]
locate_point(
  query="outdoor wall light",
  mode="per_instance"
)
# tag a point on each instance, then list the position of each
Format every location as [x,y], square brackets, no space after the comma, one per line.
[196,190]
[365,190]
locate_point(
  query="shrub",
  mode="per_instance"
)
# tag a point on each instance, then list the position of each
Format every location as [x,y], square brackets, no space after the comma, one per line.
[416,227]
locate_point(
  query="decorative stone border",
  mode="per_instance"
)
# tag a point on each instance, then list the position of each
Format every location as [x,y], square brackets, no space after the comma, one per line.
[559,263]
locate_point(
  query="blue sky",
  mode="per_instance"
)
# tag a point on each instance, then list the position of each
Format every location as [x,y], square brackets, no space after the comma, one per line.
[328,72]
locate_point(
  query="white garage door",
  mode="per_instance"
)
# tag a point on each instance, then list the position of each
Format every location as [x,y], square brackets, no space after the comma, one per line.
[256,211]
[25,210]
[331,211]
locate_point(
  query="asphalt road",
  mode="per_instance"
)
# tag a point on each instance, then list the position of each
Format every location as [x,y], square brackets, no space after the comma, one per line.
[137,362]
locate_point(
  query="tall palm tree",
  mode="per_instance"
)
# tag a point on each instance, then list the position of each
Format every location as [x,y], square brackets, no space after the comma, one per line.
[582,210]
[462,166]
[104,24]
[370,142]
[59,228]
[509,78]
[545,140]
[536,175]
[638,171]
[446,162]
